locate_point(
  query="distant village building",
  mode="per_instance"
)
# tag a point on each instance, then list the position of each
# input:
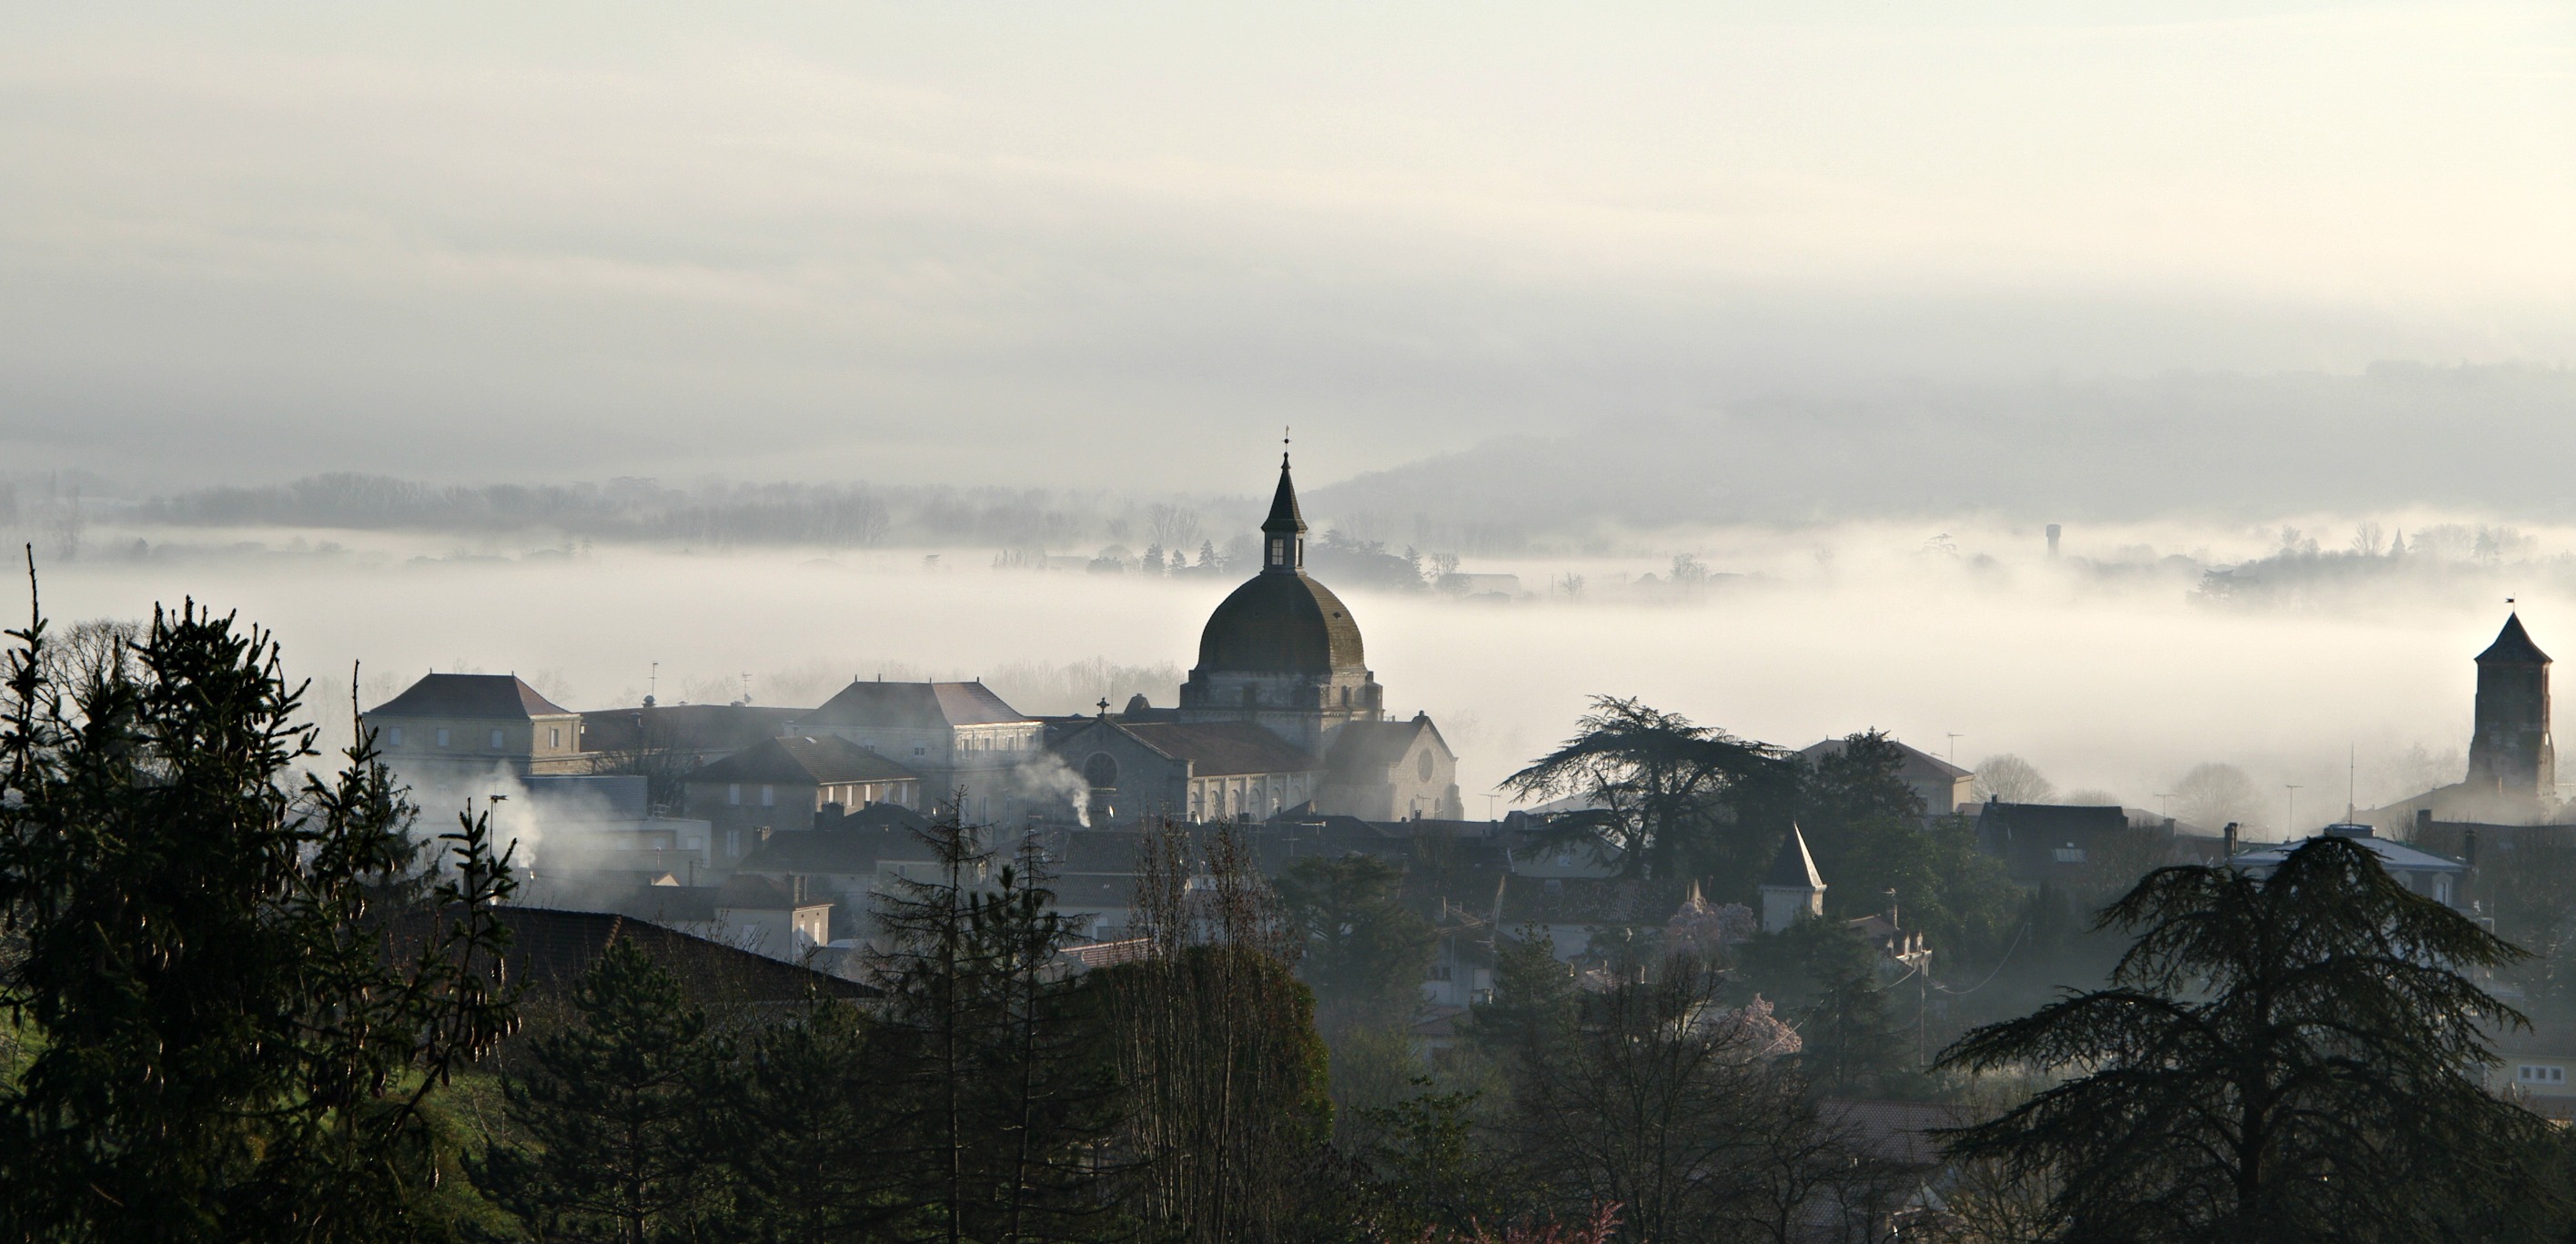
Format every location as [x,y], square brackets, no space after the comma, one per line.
[680,737]
[1281,656]
[2513,765]
[2439,878]
[1945,788]
[961,739]
[781,784]
[462,724]
[1201,771]
[2053,842]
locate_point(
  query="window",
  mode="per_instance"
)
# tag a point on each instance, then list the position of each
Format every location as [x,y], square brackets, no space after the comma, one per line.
[554,736]
[496,740]
[1101,771]
[733,793]
[393,737]
[442,736]
[733,842]
[2069,854]
[1278,552]
[768,795]
[1424,766]
[2540,1075]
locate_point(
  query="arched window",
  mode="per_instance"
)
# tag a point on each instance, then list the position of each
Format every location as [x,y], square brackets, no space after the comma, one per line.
[1101,771]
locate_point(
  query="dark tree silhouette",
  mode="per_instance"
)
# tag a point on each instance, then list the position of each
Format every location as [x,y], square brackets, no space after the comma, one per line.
[1670,796]
[226,1044]
[2284,1058]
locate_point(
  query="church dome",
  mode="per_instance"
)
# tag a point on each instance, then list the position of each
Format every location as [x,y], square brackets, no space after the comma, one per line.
[1281,624]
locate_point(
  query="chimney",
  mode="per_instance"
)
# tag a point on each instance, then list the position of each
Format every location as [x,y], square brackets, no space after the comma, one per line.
[2052,539]
[2423,823]
[829,815]
[2230,833]
[2469,847]
[796,886]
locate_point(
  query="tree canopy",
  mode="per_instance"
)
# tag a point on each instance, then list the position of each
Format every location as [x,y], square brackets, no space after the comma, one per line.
[2289,1058]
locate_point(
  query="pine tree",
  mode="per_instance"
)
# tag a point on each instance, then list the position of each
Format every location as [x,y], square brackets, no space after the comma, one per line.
[229,1039]
[810,1129]
[620,1109]
[2287,1058]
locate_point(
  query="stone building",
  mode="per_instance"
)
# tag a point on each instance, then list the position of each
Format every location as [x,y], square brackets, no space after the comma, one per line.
[461,724]
[2513,767]
[1283,653]
[781,784]
[958,736]
[1198,771]
[1945,788]
[2510,750]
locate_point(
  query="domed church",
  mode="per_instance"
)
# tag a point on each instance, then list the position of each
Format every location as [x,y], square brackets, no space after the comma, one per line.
[1283,652]
[1281,713]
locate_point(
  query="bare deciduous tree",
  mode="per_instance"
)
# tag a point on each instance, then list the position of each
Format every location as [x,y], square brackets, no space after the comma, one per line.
[2011,779]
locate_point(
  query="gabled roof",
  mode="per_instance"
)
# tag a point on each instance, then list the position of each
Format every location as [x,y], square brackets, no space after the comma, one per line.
[1221,748]
[1915,758]
[2050,820]
[803,761]
[1793,868]
[1364,745]
[914,706]
[491,696]
[2513,646]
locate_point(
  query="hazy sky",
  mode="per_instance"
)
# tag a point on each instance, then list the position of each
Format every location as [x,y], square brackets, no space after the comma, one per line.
[1116,243]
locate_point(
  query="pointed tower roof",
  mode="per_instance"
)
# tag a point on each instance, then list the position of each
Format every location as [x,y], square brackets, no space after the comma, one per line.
[1284,518]
[1793,868]
[2513,646]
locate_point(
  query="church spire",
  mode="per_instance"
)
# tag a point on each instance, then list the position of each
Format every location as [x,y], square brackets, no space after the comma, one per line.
[1284,532]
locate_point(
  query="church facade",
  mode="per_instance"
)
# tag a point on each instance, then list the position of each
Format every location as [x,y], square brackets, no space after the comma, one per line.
[1284,656]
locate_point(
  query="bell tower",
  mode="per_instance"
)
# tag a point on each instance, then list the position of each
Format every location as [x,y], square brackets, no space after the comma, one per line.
[2510,752]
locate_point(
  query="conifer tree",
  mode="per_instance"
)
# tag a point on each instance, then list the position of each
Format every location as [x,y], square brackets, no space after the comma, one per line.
[239,989]
[620,1108]
[2289,1058]
[809,1128]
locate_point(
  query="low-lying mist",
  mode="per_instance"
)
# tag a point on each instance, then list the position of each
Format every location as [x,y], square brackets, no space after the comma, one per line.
[2115,667]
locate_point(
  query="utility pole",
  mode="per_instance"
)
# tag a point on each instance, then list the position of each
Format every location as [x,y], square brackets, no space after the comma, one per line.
[1955,736]
[2290,822]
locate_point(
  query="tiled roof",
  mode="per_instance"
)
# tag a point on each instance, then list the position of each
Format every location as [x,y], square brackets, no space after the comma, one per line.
[493,696]
[685,727]
[1221,748]
[914,706]
[804,761]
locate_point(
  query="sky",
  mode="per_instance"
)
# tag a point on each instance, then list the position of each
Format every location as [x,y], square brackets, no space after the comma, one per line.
[1114,245]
